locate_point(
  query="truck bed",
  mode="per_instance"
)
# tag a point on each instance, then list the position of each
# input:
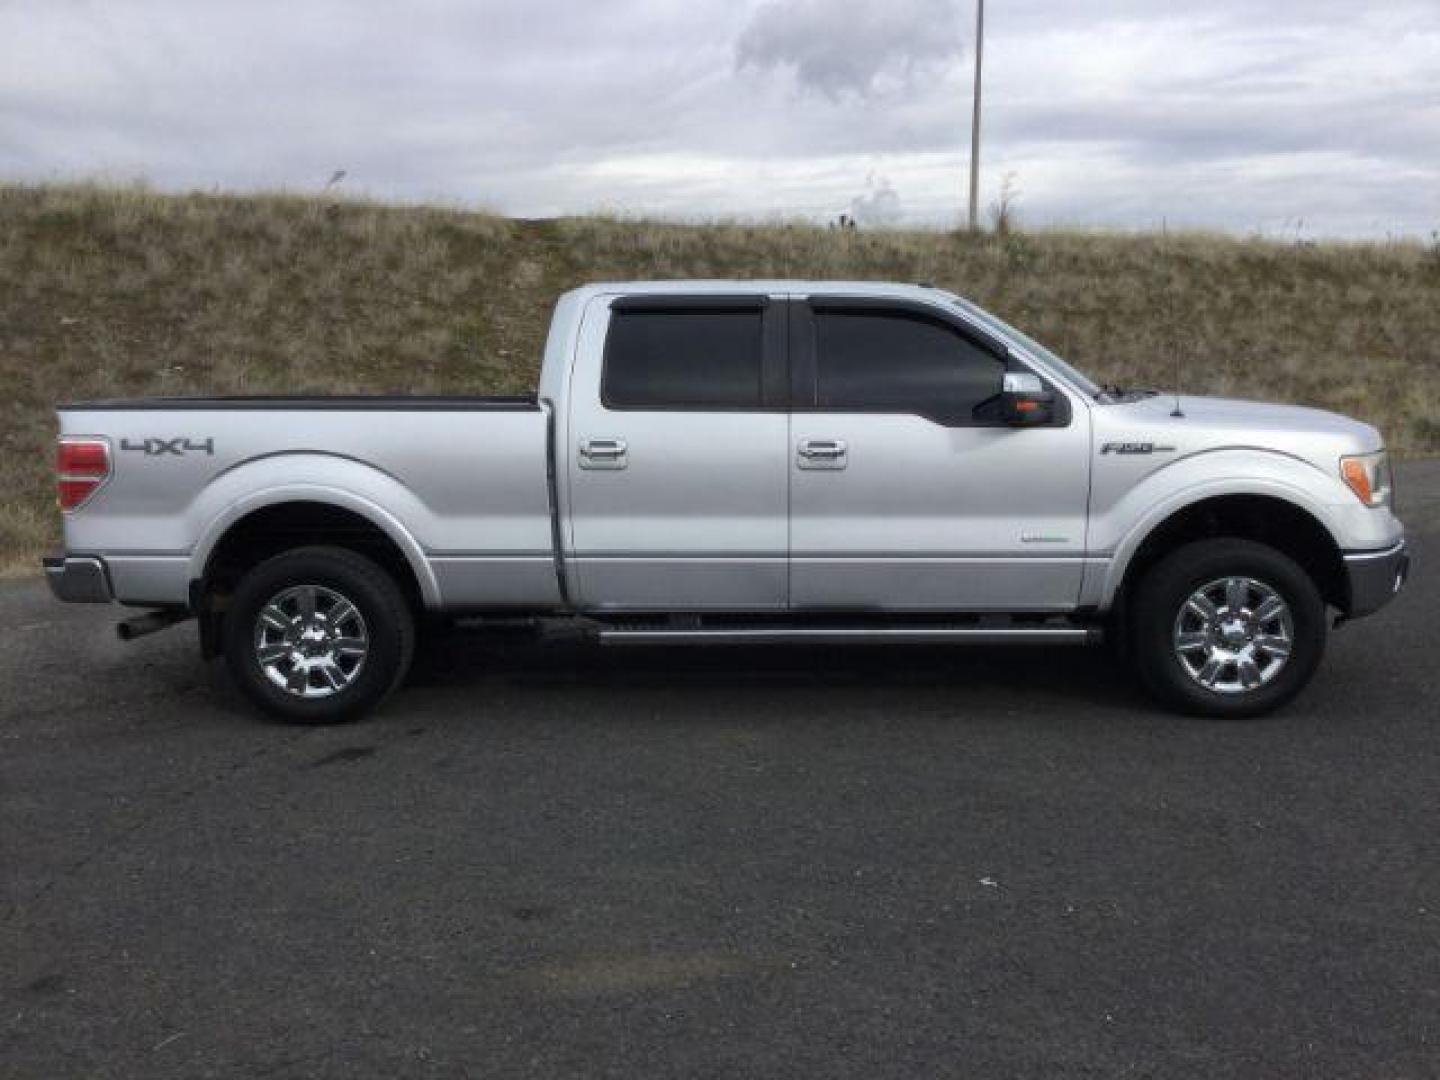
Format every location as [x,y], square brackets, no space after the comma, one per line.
[463,479]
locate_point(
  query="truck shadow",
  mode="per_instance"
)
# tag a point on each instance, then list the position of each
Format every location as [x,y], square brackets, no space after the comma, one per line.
[1011,676]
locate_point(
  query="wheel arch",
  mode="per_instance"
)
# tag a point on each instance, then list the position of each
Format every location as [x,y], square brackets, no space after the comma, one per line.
[279,518]
[1283,523]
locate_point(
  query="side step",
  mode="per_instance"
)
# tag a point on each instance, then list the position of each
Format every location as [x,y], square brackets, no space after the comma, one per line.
[893,634]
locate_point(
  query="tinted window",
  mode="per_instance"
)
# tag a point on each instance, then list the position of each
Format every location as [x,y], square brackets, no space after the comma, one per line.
[900,362]
[682,359]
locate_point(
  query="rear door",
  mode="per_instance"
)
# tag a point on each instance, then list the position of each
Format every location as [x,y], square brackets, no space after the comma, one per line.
[678,466]
[905,494]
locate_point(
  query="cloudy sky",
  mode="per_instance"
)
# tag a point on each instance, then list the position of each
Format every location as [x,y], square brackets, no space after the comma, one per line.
[1290,117]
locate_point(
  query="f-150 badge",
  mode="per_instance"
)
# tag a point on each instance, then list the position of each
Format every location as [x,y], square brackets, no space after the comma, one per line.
[1135,448]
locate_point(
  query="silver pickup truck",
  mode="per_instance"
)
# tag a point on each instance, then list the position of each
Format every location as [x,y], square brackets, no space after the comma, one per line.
[740,461]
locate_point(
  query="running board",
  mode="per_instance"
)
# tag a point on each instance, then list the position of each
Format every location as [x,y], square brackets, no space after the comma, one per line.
[852,635]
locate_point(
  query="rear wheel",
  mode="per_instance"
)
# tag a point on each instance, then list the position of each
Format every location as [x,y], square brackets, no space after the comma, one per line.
[1227,628]
[318,635]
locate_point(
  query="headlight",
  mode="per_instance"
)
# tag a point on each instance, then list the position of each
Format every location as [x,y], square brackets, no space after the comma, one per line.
[1368,476]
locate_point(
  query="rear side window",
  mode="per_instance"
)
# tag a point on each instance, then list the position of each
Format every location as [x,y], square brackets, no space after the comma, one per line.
[682,359]
[883,361]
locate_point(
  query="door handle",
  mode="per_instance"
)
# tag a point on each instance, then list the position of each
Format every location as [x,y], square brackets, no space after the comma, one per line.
[823,454]
[603,454]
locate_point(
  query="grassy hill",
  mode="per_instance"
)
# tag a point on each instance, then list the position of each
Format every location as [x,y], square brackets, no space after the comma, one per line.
[122,291]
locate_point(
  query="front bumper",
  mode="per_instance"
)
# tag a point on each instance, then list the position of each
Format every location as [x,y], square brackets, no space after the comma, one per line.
[1375,578]
[79,579]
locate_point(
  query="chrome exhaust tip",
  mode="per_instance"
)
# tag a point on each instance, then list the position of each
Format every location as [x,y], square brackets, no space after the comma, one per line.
[150,622]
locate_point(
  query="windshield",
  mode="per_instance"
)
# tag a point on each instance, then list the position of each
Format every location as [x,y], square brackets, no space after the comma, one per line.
[1082,381]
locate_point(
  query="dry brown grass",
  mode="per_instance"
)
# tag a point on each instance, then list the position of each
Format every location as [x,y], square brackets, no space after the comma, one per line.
[108,291]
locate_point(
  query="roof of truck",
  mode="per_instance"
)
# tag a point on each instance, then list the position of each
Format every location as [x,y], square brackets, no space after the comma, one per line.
[769,286]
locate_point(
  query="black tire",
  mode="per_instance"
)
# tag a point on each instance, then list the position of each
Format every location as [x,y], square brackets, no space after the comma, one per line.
[1165,591]
[346,685]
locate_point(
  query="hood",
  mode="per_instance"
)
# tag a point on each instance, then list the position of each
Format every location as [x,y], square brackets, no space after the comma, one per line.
[1207,423]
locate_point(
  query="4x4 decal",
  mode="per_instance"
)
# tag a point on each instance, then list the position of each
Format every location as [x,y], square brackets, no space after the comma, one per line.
[178,447]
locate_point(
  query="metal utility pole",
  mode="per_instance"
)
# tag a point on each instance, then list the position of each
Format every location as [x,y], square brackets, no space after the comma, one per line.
[975,118]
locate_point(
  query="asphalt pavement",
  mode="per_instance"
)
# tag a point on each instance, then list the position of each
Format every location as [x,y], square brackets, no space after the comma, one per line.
[553,860]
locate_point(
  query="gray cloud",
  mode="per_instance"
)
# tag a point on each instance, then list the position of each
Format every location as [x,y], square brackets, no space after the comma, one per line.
[851,46]
[1115,112]
[879,206]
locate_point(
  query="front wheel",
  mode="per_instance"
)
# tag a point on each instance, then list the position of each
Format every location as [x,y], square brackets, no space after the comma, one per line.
[1227,628]
[318,635]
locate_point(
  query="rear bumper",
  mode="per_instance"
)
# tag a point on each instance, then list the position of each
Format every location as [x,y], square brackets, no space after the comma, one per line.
[1375,578]
[79,579]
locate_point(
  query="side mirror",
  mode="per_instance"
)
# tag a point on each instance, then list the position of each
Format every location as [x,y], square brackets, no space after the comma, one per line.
[1024,401]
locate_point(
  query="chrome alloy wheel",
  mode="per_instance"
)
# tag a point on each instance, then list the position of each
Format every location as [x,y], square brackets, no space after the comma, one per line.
[310,641]
[1234,635]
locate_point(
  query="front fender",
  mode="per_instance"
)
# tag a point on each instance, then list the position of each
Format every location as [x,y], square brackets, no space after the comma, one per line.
[1117,530]
[310,476]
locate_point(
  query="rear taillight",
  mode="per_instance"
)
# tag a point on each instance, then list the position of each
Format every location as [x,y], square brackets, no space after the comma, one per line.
[82,465]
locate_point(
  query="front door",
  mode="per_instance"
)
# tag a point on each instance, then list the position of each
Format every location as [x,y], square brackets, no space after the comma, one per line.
[905,495]
[677,469]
